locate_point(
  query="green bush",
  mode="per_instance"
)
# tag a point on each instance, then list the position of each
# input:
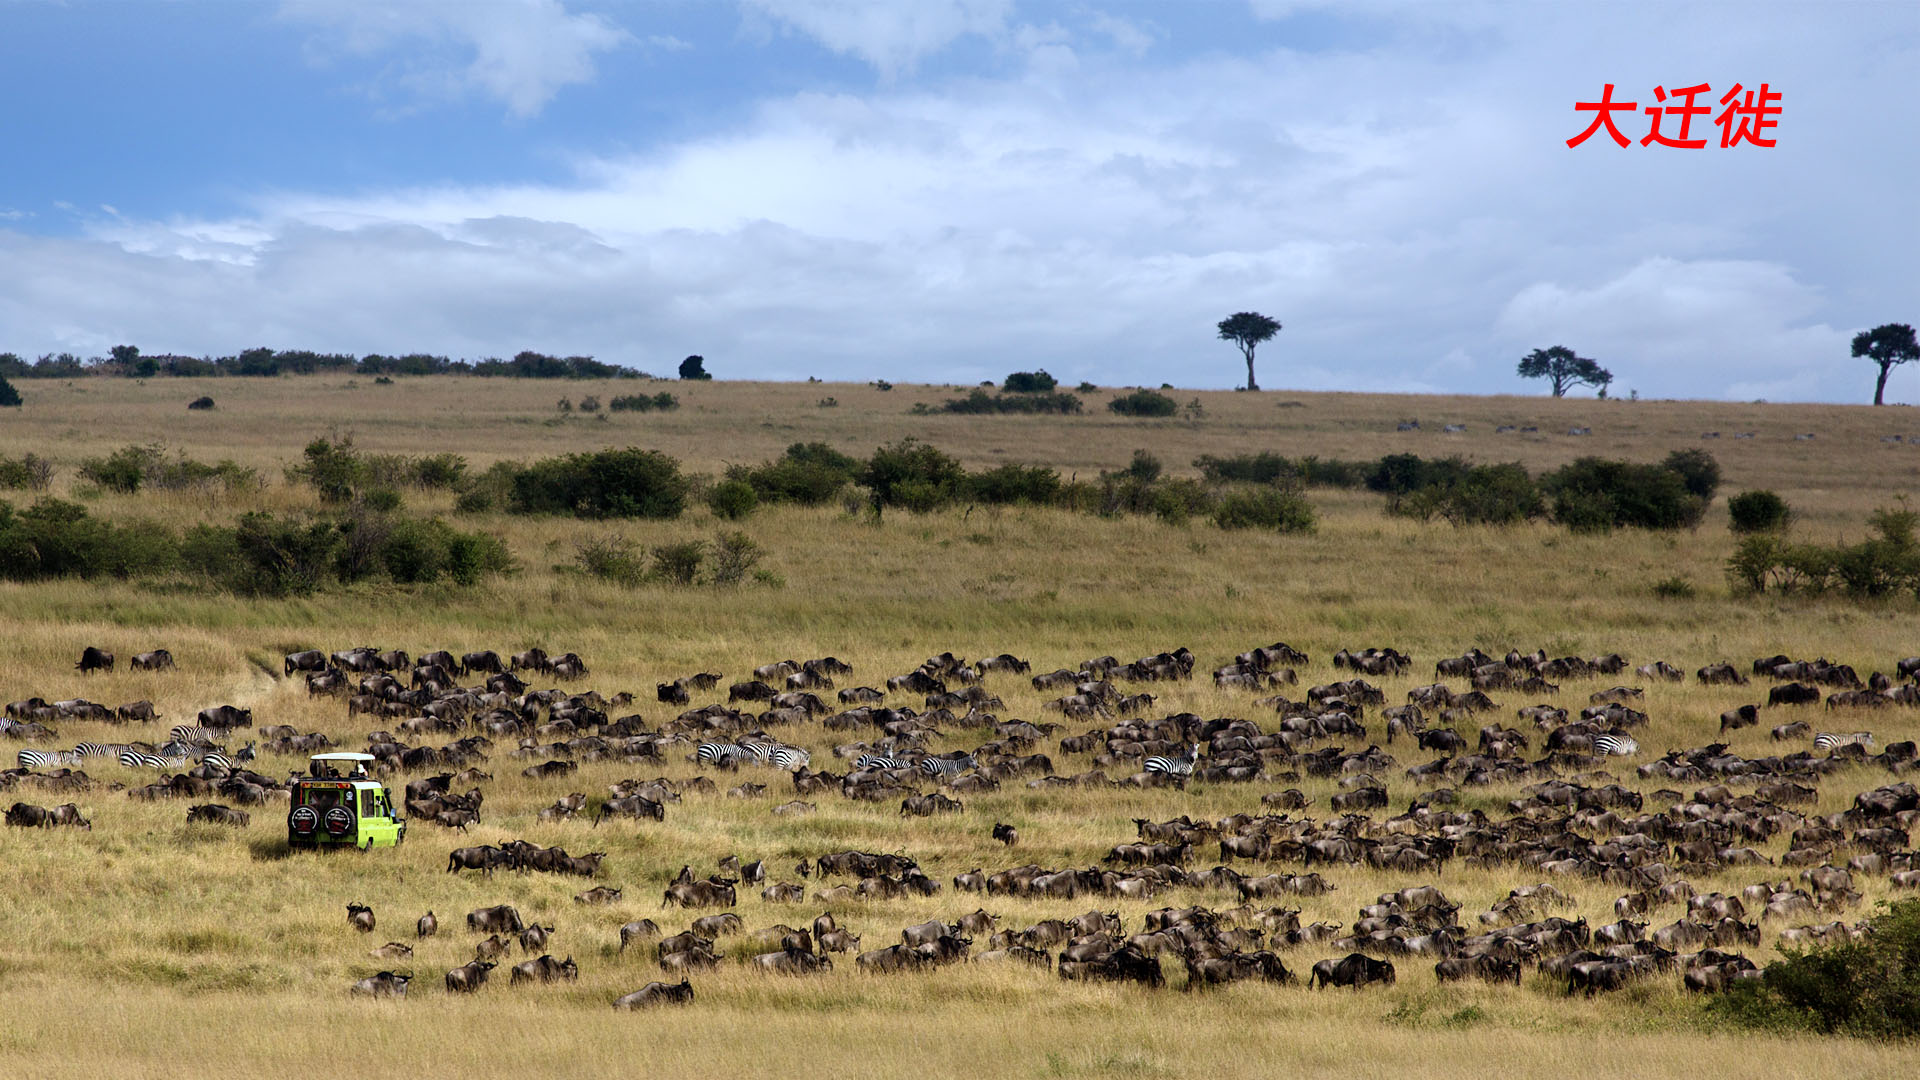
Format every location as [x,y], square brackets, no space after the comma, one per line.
[1698,471]
[735,554]
[979,401]
[123,471]
[809,474]
[732,499]
[1877,566]
[1029,382]
[9,397]
[1867,988]
[912,474]
[29,472]
[1596,494]
[1035,484]
[1264,508]
[1757,511]
[1144,403]
[1145,466]
[55,539]
[679,563]
[660,402]
[1673,588]
[604,484]
[611,558]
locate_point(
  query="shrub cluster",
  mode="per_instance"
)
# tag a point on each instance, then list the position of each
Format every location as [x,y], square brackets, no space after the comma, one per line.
[1880,565]
[29,472]
[132,469]
[808,474]
[663,401]
[728,560]
[629,483]
[1867,988]
[127,361]
[979,401]
[57,539]
[1757,511]
[1597,494]
[1144,403]
[1029,382]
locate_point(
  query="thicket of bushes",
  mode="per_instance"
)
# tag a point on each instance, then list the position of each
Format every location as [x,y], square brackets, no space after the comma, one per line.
[127,361]
[1029,382]
[728,560]
[1880,565]
[1588,495]
[260,554]
[978,401]
[1144,403]
[660,402]
[132,469]
[29,472]
[1757,511]
[1869,988]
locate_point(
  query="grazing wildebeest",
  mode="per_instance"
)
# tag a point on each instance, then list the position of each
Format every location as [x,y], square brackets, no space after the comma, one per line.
[214,813]
[427,926]
[656,993]
[93,659]
[501,918]
[469,976]
[486,660]
[544,969]
[157,660]
[483,858]
[1794,693]
[360,917]
[1006,834]
[599,895]
[638,930]
[385,984]
[1356,970]
[534,937]
[307,660]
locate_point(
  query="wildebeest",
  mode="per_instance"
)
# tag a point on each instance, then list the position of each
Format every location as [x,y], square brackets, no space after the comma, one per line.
[306,660]
[360,917]
[1794,693]
[712,892]
[216,814]
[638,930]
[427,926]
[1006,834]
[392,950]
[544,969]
[598,895]
[485,660]
[469,976]
[93,659]
[656,993]
[385,984]
[225,716]
[483,858]
[502,918]
[157,660]
[1356,970]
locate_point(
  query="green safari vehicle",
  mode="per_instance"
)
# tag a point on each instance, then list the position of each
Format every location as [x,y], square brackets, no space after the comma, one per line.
[332,809]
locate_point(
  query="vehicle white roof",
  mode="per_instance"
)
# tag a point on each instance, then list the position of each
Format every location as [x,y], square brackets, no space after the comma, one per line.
[341,757]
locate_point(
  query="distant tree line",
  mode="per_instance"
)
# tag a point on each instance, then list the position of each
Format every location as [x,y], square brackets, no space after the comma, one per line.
[128,361]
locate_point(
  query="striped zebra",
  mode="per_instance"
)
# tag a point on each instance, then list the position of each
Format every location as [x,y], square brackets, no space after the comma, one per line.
[218,761]
[881,761]
[1173,765]
[1827,740]
[193,733]
[46,759]
[946,768]
[1616,744]
[105,750]
[790,758]
[134,759]
[758,751]
[722,753]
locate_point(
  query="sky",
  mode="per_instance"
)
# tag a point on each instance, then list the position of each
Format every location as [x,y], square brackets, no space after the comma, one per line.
[949,190]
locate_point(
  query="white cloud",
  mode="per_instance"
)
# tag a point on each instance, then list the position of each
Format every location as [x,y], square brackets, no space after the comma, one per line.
[519,52]
[891,35]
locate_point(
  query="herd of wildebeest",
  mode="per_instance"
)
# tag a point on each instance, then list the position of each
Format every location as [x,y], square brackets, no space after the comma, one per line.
[1574,826]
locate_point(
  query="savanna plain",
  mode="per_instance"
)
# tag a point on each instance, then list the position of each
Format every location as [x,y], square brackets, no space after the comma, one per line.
[154,947]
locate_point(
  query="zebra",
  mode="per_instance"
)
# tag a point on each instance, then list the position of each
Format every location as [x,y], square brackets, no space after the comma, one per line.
[218,761]
[946,768]
[759,750]
[193,733]
[881,761]
[721,753]
[1828,740]
[1614,743]
[134,759]
[789,758]
[1177,766]
[42,759]
[105,750]
[246,753]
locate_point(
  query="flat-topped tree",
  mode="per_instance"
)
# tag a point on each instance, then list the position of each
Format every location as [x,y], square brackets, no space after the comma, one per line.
[1248,329]
[1887,346]
[1566,370]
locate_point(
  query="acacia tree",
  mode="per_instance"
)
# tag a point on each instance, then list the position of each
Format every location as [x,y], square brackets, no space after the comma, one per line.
[1886,345]
[1565,369]
[1248,329]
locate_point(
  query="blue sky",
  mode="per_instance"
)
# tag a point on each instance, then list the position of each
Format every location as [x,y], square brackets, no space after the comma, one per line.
[946,190]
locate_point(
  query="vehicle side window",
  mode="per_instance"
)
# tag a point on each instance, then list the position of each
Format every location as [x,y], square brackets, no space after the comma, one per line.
[366,804]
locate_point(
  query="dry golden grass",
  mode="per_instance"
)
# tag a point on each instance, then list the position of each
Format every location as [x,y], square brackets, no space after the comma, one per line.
[151,948]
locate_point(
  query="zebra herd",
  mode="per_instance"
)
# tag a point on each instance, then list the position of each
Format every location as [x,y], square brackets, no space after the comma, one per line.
[186,745]
[779,755]
[939,767]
